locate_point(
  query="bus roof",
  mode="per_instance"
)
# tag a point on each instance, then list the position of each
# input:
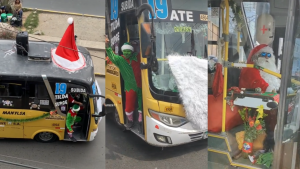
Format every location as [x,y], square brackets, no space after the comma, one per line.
[12,64]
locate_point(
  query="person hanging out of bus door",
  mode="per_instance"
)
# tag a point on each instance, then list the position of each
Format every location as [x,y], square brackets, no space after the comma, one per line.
[129,65]
[75,100]
[72,118]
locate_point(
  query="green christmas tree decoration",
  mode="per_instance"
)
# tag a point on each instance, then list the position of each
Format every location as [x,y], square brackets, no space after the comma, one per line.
[25,120]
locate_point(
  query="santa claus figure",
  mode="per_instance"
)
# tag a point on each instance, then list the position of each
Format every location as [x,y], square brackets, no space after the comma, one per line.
[251,78]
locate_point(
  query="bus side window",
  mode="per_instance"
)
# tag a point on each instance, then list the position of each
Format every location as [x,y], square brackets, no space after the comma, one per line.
[30,90]
[15,90]
[4,90]
[42,92]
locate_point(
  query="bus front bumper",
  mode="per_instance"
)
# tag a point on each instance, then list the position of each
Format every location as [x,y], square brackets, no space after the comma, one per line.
[161,135]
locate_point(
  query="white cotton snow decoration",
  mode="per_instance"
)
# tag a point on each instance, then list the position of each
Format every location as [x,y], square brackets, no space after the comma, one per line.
[191,78]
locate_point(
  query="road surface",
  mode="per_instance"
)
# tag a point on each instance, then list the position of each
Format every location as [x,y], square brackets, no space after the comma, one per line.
[58,155]
[127,151]
[91,7]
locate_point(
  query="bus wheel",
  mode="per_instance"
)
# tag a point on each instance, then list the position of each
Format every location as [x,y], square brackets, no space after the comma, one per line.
[45,137]
[117,120]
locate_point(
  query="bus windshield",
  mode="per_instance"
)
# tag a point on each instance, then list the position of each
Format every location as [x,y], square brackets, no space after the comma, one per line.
[184,33]
[174,38]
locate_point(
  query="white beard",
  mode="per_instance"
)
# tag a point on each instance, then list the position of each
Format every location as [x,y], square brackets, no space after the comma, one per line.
[273,81]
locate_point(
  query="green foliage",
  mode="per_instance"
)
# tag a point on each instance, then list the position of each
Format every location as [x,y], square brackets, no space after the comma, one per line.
[25,120]
[265,159]
[253,124]
[32,22]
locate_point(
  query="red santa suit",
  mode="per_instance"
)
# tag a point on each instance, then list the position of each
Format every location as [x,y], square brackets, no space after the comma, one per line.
[252,78]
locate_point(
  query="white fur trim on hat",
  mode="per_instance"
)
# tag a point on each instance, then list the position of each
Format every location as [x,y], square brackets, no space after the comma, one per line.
[70,20]
[124,47]
[66,64]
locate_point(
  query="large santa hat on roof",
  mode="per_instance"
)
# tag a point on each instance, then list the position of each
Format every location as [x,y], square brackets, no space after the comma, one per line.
[251,78]
[66,55]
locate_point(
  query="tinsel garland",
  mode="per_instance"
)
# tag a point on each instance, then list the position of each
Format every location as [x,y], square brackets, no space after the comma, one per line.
[25,120]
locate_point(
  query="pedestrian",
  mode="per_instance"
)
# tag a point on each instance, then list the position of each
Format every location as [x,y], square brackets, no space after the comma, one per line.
[18,8]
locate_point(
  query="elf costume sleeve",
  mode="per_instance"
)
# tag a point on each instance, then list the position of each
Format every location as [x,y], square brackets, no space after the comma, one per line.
[250,78]
[115,59]
[69,121]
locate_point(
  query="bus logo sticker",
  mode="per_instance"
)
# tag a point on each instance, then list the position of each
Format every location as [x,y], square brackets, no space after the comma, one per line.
[7,103]
[55,124]
[59,97]
[203,17]
[114,86]
[94,88]
[63,108]
[65,102]
[169,109]
[114,9]
[127,5]
[44,102]
[13,113]
[60,88]
[77,90]
[33,105]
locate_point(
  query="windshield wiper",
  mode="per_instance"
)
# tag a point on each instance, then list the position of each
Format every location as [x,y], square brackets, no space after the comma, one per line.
[193,51]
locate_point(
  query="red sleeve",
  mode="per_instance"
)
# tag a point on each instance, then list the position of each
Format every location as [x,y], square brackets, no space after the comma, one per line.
[71,100]
[250,78]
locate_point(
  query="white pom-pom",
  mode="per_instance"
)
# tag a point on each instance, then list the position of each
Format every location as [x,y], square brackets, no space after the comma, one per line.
[70,20]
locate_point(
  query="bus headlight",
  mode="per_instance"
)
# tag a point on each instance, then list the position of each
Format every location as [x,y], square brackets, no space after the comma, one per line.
[169,120]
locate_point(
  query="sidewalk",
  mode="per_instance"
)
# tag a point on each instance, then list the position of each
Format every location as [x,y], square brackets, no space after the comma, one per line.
[90,33]
[91,45]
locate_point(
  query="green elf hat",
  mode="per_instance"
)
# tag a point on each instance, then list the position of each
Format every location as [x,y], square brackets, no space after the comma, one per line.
[127,46]
[76,107]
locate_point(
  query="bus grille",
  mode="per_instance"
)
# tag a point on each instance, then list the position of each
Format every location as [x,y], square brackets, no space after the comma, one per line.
[196,136]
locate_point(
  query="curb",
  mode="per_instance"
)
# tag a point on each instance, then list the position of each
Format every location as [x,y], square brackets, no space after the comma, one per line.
[99,75]
[68,13]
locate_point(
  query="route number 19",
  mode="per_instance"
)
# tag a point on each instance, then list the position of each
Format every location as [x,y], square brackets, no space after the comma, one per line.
[60,88]
[160,9]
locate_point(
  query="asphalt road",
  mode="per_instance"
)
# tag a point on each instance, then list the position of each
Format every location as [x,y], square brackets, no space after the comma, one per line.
[57,155]
[127,151]
[91,7]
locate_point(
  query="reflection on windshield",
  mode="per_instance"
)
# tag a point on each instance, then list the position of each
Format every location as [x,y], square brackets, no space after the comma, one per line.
[252,11]
[184,39]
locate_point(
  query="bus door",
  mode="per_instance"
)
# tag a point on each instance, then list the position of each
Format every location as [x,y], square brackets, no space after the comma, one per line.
[286,134]
[11,107]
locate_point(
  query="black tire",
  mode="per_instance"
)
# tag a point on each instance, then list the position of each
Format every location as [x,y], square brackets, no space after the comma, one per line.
[46,137]
[116,119]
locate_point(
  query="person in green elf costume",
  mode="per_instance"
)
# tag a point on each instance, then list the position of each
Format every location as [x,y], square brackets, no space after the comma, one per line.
[71,119]
[129,65]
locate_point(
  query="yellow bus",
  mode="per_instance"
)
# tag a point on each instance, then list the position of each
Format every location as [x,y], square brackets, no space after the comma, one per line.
[31,88]
[173,28]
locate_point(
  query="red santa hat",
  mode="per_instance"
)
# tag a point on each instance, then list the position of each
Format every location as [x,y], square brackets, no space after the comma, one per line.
[66,55]
[258,49]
